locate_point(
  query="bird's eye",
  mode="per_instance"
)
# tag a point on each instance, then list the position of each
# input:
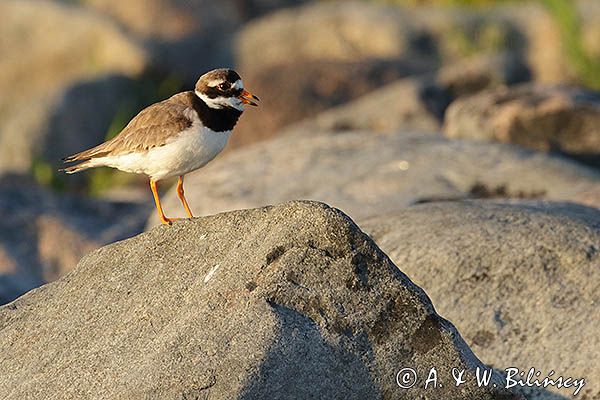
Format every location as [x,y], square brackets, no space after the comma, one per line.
[224,86]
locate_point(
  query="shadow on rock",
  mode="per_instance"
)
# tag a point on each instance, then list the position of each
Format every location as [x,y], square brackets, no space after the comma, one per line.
[303,363]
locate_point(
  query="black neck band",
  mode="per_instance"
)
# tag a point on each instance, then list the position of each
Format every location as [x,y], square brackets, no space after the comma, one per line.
[216,119]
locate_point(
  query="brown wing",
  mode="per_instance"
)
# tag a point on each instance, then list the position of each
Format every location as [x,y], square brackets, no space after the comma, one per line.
[152,127]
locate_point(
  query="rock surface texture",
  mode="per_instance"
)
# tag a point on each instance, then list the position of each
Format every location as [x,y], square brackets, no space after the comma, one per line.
[367,174]
[292,301]
[548,118]
[520,281]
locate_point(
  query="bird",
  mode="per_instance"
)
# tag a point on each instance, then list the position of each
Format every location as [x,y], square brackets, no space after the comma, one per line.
[175,136]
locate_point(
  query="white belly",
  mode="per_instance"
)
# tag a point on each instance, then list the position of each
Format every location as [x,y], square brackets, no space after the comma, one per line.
[192,149]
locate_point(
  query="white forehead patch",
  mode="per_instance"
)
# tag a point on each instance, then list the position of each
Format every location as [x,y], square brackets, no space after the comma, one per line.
[215,82]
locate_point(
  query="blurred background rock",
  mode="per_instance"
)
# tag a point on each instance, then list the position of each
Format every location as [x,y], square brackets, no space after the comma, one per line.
[373,106]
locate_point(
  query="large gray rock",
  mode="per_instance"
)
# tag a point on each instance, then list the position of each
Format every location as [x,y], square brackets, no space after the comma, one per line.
[520,281]
[549,118]
[43,235]
[292,301]
[65,45]
[418,103]
[366,173]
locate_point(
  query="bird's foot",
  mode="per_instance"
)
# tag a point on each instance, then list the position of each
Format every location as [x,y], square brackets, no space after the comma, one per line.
[169,221]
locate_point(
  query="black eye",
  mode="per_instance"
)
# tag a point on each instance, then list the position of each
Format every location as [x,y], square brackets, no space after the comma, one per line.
[224,86]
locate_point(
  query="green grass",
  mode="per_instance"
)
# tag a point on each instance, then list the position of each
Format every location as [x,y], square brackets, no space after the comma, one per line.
[489,38]
[586,67]
[45,174]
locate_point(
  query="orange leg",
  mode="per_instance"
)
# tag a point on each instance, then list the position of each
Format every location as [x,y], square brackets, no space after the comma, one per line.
[182,197]
[161,214]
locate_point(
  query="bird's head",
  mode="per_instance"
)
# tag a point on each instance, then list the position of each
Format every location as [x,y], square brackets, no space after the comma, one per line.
[223,88]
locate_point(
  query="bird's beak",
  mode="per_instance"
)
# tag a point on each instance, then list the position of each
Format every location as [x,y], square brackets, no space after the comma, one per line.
[247,98]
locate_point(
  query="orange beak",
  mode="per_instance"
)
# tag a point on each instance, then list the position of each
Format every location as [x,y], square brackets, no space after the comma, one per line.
[247,98]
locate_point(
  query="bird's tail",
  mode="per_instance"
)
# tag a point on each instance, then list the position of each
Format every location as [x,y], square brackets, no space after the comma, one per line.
[86,159]
[77,167]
